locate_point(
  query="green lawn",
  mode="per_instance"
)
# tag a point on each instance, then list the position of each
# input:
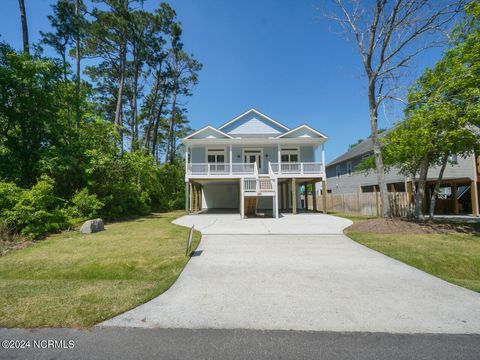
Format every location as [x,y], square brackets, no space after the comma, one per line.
[78,280]
[454,257]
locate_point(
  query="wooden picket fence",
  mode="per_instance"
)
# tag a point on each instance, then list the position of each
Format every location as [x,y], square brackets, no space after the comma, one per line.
[368,204]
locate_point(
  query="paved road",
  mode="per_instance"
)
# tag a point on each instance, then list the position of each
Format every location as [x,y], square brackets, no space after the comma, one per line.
[305,282]
[134,343]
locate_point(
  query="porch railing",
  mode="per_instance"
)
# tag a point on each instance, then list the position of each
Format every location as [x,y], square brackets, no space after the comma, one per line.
[259,185]
[299,168]
[222,169]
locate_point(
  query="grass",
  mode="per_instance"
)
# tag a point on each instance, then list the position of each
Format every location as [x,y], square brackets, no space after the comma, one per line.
[74,280]
[454,257]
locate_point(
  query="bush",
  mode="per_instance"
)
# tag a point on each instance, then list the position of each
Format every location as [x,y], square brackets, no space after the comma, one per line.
[84,206]
[38,211]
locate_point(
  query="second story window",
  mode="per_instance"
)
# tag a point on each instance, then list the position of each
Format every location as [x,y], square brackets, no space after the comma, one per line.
[216,155]
[453,159]
[290,155]
[349,168]
[337,169]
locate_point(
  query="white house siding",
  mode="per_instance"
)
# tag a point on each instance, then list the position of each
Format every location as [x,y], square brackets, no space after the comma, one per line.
[270,154]
[220,196]
[350,184]
[253,125]
[307,154]
[198,155]
[209,134]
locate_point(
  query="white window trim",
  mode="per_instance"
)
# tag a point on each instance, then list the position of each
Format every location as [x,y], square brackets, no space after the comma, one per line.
[349,168]
[254,149]
[295,150]
[217,151]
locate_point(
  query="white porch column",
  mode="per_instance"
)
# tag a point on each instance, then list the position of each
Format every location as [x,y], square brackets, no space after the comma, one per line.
[186,163]
[473,191]
[230,156]
[242,200]
[275,199]
[279,159]
[323,159]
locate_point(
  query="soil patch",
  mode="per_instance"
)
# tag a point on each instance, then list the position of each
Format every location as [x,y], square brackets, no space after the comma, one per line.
[7,246]
[392,226]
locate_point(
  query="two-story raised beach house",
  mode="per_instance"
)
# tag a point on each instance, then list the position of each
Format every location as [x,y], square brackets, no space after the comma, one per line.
[252,164]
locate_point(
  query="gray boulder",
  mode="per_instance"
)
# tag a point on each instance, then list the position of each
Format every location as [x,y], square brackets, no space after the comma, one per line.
[92,226]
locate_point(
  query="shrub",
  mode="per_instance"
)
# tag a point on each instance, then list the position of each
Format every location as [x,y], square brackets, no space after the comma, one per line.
[38,211]
[84,206]
[9,195]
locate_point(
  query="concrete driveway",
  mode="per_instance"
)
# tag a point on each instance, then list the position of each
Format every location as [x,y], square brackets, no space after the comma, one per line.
[302,281]
[232,224]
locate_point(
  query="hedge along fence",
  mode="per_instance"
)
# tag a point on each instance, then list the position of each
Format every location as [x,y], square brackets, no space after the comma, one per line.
[368,204]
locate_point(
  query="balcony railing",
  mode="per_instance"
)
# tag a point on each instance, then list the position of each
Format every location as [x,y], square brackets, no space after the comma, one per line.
[222,169]
[300,168]
[259,185]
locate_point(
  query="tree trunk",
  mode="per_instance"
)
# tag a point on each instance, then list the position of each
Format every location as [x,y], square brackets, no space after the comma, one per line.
[64,63]
[148,131]
[170,150]
[23,18]
[433,199]
[77,65]
[134,125]
[377,151]
[420,193]
[156,126]
[121,80]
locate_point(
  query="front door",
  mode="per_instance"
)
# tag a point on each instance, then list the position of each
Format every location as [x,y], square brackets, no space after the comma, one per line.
[252,156]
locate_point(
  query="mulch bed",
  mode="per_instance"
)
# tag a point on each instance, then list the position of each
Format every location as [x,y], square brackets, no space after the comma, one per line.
[392,226]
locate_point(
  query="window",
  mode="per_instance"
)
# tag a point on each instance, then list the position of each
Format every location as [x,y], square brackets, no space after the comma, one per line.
[289,155]
[349,168]
[252,156]
[216,155]
[453,159]
[338,170]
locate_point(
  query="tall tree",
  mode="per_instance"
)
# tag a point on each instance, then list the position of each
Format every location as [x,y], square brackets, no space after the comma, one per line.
[62,22]
[107,39]
[154,107]
[79,26]
[183,69]
[389,35]
[23,18]
[443,107]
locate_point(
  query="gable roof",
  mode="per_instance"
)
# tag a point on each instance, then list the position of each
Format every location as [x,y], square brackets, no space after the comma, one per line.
[365,147]
[206,128]
[257,113]
[303,126]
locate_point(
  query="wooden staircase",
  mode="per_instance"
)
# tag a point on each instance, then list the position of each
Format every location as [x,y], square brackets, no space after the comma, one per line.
[250,205]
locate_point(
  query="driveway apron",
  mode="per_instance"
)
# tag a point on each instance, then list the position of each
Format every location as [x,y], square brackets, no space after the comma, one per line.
[301,273]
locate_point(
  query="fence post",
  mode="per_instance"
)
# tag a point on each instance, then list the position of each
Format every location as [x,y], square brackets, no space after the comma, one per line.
[324,197]
[358,203]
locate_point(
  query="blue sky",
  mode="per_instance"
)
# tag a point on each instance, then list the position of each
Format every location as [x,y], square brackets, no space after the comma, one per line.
[278,56]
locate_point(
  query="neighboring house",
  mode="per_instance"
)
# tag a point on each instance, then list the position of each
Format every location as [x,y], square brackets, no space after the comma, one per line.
[458,192]
[251,164]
